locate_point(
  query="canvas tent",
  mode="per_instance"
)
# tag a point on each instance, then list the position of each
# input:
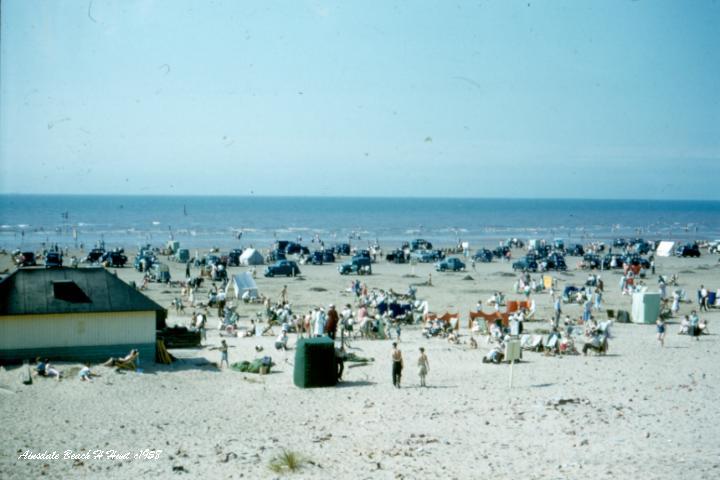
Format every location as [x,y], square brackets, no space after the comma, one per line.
[645,307]
[251,257]
[665,249]
[242,283]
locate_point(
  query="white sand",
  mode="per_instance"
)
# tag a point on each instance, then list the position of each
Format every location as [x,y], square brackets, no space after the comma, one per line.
[640,412]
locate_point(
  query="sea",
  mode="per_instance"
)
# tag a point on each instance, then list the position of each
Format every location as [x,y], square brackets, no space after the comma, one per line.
[225,222]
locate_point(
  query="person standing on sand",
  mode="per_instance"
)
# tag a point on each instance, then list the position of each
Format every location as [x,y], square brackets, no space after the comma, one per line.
[224,354]
[660,331]
[703,298]
[397,365]
[332,321]
[423,367]
[284,295]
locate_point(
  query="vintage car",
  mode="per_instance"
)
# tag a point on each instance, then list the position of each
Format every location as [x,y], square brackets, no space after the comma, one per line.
[282,267]
[359,264]
[452,263]
[483,255]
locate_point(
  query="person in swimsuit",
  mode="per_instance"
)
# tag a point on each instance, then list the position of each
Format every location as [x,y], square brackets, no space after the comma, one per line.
[661,331]
[397,365]
[423,366]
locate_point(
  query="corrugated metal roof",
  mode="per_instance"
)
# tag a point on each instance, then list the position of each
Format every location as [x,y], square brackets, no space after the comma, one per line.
[31,291]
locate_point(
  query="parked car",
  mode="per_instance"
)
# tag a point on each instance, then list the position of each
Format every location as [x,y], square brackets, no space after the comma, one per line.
[159,272]
[143,263]
[501,252]
[316,258]
[293,248]
[423,256]
[275,255]
[576,250]
[342,248]
[233,257]
[452,263]
[114,259]
[282,267]
[26,259]
[53,260]
[527,263]
[94,255]
[555,261]
[591,261]
[420,244]
[396,256]
[688,250]
[619,242]
[358,264]
[635,259]
[483,255]
[328,256]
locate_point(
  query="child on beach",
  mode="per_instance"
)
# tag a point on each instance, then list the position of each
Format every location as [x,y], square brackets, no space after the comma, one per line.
[661,331]
[423,366]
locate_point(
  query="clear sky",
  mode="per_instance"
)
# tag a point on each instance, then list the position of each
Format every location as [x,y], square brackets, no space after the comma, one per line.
[591,99]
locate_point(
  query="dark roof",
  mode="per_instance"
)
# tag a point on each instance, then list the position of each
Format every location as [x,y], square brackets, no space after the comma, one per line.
[37,291]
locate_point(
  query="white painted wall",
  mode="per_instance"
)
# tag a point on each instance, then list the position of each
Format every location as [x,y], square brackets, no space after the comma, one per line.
[69,330]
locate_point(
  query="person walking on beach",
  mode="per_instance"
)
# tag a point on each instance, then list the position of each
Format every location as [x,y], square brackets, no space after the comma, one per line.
[660,323]
[397,365]
[557,307]
[284,295]
[423,366]
[703,298]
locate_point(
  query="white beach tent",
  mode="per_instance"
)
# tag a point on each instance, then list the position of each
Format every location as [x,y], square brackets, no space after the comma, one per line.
[665,248]
[645,307]
[251,257]
[242,283]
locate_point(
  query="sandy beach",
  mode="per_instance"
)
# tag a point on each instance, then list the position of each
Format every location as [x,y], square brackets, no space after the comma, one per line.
[640,411]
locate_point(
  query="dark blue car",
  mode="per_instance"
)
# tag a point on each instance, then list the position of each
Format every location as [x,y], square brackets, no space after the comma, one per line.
[452,264]
[282,267]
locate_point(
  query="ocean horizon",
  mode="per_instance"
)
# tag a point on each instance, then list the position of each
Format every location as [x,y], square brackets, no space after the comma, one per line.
[225,221]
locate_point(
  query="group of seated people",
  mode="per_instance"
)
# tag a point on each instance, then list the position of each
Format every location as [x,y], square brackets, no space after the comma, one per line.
[45,369]
[693,325]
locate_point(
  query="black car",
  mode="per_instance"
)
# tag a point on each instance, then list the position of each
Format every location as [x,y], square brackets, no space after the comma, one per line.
[282,267]
[396,256]
[293,248]
[635,259]
[607,261]
[26,259]
[114,259]
[688,250]
[591,261]
[316,258]
[53,260]
[483,255]
[420,244]
[555,261]
[233,257]
[501,252]
[342,248]
[276,255]
[94,255]
[576,250]
[528,263]
[359,265]
[328,256]
[619,242]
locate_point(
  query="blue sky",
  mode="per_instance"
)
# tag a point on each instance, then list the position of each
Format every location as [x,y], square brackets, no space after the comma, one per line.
[591,99]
